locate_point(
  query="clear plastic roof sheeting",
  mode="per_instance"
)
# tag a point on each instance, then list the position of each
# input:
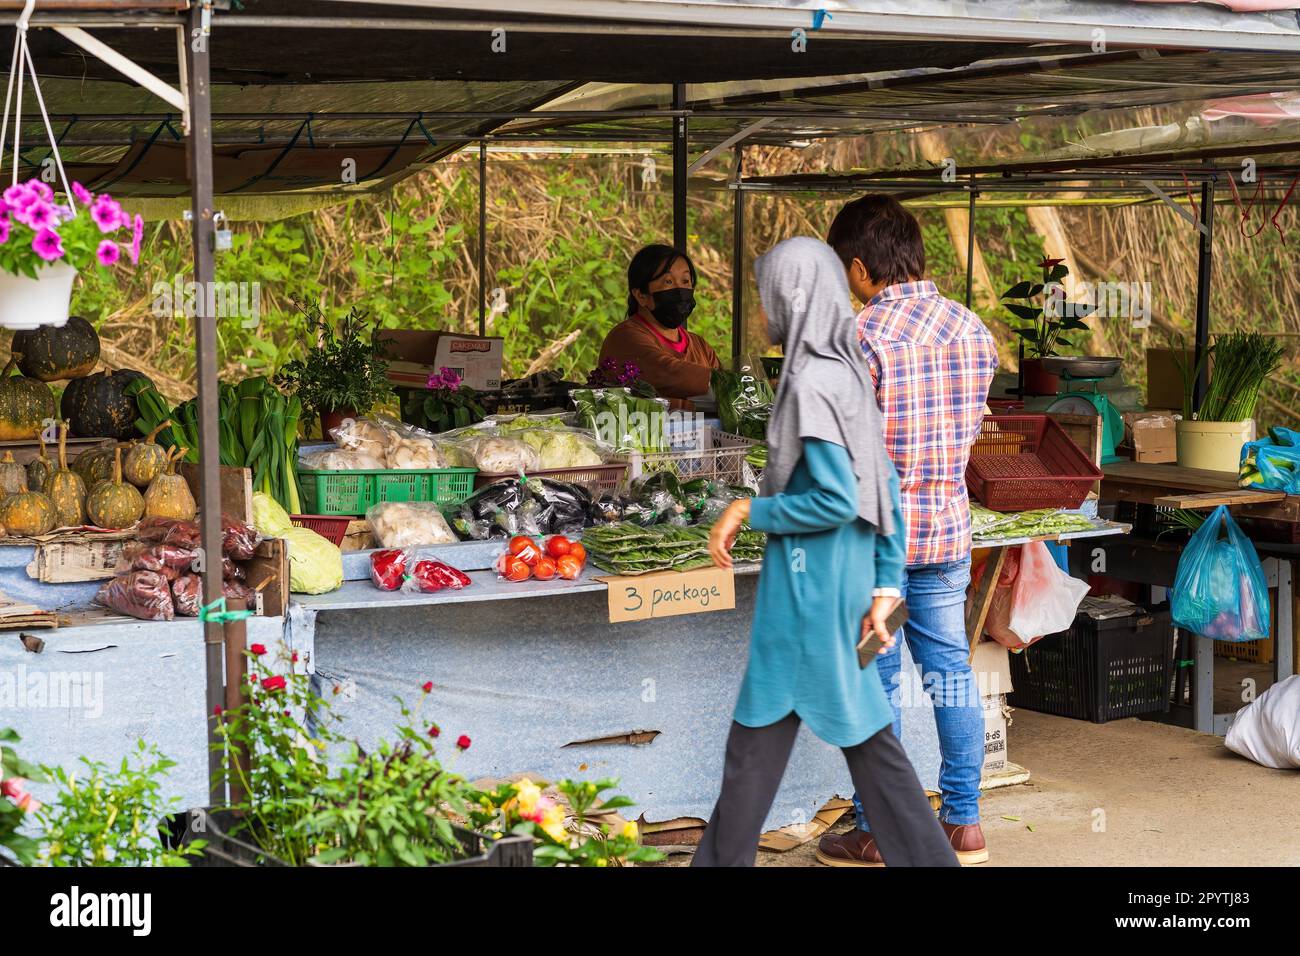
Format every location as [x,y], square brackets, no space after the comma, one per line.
[301,86]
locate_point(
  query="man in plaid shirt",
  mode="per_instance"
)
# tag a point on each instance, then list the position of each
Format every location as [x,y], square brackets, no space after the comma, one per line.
[932,361]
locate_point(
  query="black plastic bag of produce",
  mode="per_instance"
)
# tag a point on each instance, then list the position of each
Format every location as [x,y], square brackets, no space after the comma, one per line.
[1220,590]
[535,506]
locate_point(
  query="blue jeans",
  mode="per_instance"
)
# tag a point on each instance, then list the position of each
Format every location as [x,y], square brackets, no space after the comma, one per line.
[936,636]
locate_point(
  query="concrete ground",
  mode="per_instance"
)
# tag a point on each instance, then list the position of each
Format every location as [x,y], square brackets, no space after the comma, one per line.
[1127,793]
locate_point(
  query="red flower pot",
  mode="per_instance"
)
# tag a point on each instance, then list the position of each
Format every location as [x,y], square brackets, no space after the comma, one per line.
[333,419]
[1037,380]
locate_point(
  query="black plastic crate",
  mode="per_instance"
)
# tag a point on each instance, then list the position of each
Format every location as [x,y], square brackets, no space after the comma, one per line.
[1098,670]
[224,850]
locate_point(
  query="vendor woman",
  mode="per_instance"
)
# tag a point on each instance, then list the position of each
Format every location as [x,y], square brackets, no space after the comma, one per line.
[660,296]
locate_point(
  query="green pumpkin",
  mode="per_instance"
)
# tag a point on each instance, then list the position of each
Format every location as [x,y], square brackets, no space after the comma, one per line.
[96,465]
[115,503]
[97,406]
[25,405]
[65,489]
[39,468]
[146,460]
[168,495]
[28,514]
[13,476]
[51,353]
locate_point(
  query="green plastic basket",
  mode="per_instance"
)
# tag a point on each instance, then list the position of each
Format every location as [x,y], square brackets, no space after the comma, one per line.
[352,492]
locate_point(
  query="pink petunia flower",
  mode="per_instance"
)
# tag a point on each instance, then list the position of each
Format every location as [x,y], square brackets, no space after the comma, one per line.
[108,214]
[48,245]
[137,236]
[38,215]
[20,196]
[108,253]
[82,194]
[42,189]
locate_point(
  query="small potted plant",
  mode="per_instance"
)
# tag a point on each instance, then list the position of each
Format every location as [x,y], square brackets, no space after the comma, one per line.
[45,242]
[344,375]
[1049,315]
[448,404]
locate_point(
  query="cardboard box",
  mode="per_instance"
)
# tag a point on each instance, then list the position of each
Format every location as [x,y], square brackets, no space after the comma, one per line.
[995,735]
[1155,440]
[415,354]
[670,593]
[1164,378]
[991,663]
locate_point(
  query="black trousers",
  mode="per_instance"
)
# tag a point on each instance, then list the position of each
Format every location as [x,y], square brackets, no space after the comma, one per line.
[905,828]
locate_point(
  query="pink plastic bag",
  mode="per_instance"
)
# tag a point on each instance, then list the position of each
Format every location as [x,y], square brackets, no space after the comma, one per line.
[1044,598]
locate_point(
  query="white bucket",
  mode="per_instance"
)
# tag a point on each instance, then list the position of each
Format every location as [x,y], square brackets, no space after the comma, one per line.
[31,303]
[1213,446]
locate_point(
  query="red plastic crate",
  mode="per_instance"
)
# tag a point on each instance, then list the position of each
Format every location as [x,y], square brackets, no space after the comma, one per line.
[1024,462]
[332,529]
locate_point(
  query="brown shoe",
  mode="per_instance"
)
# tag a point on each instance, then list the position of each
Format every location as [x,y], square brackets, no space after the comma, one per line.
[855,848]
[967,841]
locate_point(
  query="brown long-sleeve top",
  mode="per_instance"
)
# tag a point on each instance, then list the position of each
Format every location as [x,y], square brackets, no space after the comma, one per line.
[676,376]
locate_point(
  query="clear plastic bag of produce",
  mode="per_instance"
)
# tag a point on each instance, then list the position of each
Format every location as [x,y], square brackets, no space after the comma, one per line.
[428,576]
[341,459]
[362,435]
[483,448]
[1219,590]
[1272,462]
[408,524]
[388,568]
[744,399]
[623,421]
[409,447]
[140,594]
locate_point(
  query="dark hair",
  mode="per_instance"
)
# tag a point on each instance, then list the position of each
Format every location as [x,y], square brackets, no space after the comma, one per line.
[649,264]
[877,230]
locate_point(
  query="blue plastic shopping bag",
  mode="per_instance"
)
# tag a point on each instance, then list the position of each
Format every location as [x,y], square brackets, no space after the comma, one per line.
[1272,462]
[1220,591]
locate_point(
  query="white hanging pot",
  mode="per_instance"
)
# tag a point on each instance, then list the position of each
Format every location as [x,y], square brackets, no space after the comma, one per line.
[30,303]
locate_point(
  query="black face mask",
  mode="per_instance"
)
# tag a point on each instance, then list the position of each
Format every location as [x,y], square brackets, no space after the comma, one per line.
[672,306]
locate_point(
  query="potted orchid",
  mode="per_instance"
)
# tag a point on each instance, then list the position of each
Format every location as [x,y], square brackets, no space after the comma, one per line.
[45,240]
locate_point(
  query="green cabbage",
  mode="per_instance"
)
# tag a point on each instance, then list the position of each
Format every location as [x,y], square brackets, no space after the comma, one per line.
[315,565]
[567,449]
[269,517]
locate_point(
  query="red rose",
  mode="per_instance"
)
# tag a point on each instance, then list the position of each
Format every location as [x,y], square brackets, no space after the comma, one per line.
[216,711]
[435,730]
[462,742]
[273,683]
[258,649]
[295,657]
[252,678]
[427,687]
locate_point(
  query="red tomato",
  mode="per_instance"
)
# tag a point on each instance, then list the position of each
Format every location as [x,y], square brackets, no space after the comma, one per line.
[578,551]
[516,570]
[528,552]
[544,569]
[557,546]
[569,567]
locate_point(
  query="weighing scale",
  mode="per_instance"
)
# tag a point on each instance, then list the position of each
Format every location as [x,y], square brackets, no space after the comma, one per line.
[1087,371]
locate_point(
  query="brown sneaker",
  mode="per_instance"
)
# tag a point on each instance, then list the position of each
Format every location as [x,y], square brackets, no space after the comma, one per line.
[854,848]
[967,841]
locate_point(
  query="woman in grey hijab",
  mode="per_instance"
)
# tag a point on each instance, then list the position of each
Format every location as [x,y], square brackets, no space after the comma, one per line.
[831,573]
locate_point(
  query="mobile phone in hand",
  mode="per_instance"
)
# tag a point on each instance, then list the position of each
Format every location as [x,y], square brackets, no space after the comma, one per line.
[871,645]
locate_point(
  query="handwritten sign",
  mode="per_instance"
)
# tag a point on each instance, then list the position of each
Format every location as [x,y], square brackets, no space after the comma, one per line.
[670,593]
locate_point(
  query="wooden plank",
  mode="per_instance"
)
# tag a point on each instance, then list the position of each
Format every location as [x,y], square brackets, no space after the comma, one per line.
[236,489]
[1213,499]
[1142,483]
[1085,431]
[270,563]
[978,608]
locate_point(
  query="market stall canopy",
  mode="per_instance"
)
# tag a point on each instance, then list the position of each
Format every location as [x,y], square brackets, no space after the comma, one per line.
[301,87]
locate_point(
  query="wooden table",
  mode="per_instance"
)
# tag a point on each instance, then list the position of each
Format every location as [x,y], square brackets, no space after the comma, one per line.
[977,610]
[1170,486]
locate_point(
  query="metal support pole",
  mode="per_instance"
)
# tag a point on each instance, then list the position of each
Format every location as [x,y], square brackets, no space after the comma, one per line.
[199,156]
[738,259]
[1204,268]
[482,237]
[680,173]
[970,245]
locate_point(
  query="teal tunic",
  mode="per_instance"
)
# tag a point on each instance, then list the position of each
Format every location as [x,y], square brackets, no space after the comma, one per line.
[821,564]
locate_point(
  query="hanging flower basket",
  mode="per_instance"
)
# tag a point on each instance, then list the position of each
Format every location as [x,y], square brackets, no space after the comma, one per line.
[45,240]
[29,303]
